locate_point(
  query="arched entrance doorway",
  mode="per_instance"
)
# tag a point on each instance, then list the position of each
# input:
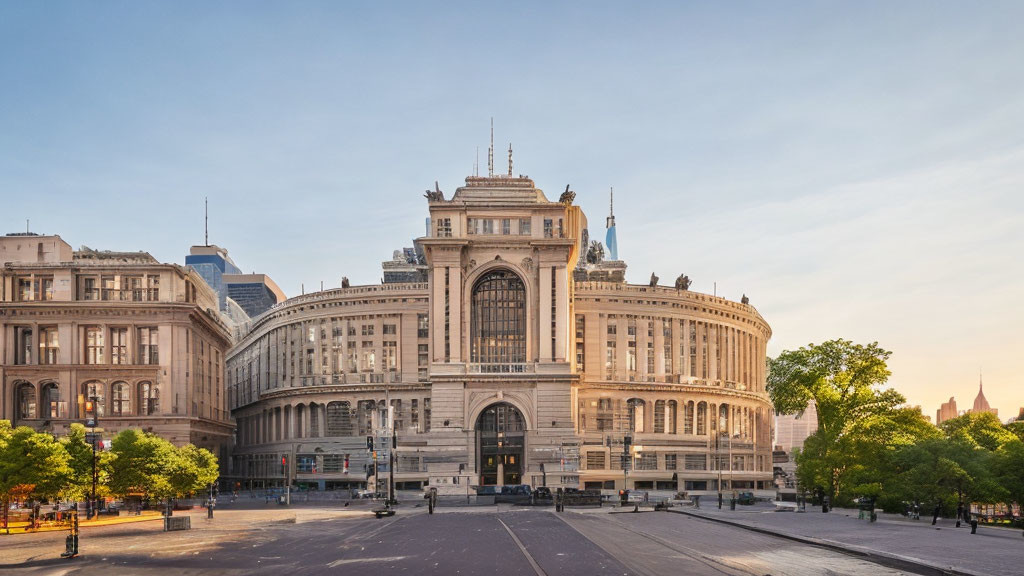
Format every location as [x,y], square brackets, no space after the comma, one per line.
[500,434]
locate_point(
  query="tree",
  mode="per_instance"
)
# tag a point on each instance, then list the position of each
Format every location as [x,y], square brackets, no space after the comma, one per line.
[32,464]
[193,470]
[79,483]
[983,430]
[1009,470]
[842,378]
[139,464]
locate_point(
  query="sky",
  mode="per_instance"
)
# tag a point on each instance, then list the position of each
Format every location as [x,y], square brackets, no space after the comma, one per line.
[856,169]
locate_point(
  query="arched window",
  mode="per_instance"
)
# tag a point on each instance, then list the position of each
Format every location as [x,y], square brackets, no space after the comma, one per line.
[26,400]
[498,320]
[53,406]
[702,418]
[300,421]
[670,417]
[149,399]
[314,420]
[723,420]
[339,419]
[659,417]
[120,399]
[95,391]
[502,417]
[688,418]
[636,407]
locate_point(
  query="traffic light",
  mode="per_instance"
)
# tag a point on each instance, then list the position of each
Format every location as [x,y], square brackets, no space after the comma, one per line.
[284,465]
[90,414]
[369,442]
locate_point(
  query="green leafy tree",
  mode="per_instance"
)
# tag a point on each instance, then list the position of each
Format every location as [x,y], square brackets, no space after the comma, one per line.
[1009,470]
[843,379]
[79,485]
[983,430]
[140,465]
[192,471]
[948,471]
[32,464]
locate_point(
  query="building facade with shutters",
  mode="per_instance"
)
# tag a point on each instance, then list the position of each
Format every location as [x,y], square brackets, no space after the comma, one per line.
[142,338]
[517,361]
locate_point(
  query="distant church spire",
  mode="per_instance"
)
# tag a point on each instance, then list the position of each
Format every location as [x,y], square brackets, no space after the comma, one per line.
[609,239]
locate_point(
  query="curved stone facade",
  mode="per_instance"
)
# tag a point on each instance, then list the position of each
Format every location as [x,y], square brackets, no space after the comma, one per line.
[503,369]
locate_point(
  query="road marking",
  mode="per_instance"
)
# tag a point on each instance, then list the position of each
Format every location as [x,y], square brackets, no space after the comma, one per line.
[533,563]
[337,563]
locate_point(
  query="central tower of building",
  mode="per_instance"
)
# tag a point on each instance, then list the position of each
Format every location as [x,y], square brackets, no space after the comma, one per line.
[499,256]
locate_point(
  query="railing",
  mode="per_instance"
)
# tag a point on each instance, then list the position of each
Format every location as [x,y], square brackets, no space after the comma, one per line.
[501,368]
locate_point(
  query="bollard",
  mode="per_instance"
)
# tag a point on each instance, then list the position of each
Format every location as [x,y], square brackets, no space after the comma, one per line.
[732,503]
[209,512]
[974,526]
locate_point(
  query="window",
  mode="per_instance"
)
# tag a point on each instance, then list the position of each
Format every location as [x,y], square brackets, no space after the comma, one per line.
[648,461]
[390,356]
[670,461]
[580,348]
[670,416]
[631,358]
[24,289]
[94,391]
[48,345]
[389,329]
[498,319]
[659,417]
[415,411]
[688,418]
[149,399]
[506,226]
[444,227]
[702,419]
[426,414]
[471,226]
[422,326]
[367,329]
[609,361]
[53,406]
[524,227]
[118,345]
[148,346]
[488,226]
[120,399]
[108,288]
[422,361]
[93,345]
[549,231]
[153,288]
[90,290]
[23,346]
[339,420]
[595,461]
[352,356]
[26,401]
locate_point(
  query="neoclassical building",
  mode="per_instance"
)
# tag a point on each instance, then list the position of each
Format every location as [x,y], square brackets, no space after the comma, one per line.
[142,338]
[522,358]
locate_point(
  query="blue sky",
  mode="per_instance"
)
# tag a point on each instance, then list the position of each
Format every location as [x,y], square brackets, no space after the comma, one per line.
[855,168]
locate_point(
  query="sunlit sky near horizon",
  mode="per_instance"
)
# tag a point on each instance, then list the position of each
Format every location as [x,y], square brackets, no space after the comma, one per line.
[856,169]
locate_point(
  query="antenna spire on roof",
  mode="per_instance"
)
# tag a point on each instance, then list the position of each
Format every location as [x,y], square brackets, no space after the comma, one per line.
[490,152]
[611,202]
[476,163]
[510,159]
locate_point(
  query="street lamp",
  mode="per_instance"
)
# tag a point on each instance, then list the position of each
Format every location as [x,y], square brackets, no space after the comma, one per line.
[90,422]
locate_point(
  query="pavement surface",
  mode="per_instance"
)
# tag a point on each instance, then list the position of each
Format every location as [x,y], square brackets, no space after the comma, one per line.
[502,539]
[946,548]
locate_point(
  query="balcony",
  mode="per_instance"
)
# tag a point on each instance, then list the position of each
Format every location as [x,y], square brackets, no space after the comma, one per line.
[501,368]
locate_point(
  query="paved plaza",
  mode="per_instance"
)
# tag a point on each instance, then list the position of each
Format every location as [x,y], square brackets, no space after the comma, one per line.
[504,539]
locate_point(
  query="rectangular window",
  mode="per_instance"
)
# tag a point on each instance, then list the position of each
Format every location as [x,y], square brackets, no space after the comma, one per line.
[390,329]
[422,326]
[367,330]
[23,350]
[524,227]
[153,288]
[415,415]
[609,360]
[488,226]
[667,351]
[595,461]
[549,231]
[422,361]
[580,348]
[670,461]
[118,345]
[390,356]
[149,350]
[24,289]
[426,414]
[352,356]
[648,461]
[471,226]
[604,414]
[506,226]
[93,345]
[444,227]
[90,289]
[108,288]
[48,345]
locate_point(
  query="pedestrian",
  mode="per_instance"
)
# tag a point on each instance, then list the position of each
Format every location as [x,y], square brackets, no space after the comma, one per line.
[959,512]
[935,514]
[645,496]
[696,501]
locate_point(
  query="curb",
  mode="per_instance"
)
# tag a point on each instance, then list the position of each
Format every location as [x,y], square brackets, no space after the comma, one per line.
[883,558]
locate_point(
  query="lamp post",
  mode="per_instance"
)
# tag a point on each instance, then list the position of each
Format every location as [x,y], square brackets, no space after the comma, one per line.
[91,411]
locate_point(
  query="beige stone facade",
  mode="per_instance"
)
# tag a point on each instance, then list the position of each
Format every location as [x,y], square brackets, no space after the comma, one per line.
[503,369]
[143,337]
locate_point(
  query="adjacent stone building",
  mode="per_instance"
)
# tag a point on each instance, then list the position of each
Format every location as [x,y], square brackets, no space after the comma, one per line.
[142,338]
[508,358]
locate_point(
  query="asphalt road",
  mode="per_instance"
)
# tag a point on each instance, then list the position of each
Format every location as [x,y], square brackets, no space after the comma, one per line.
[493,540]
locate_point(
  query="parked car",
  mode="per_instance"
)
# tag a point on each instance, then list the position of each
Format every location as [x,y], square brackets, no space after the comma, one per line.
[745,498]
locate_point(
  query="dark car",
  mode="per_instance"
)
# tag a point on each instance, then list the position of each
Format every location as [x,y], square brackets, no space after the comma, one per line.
[542,492]
[746,498]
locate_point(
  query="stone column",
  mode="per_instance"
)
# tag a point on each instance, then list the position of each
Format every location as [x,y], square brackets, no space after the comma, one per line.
[562,325]
[544,313]
[455,312]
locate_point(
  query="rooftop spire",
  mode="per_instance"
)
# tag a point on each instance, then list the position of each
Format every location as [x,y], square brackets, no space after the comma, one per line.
[206,221]
[509,158]
[610,241]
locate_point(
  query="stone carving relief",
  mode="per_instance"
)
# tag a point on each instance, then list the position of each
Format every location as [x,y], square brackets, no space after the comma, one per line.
[683,282]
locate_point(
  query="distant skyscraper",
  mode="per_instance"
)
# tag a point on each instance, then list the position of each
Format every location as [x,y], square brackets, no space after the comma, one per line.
[981,403]
[212,263]
[609,240]
[946,411]
[792,429]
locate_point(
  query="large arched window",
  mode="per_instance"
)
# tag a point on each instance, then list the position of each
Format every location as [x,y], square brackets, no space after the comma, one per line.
[95,391]
[636,408]
[26,399]
[498,320]
[120,399]
[53,406]
[339,419]
[149,399]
